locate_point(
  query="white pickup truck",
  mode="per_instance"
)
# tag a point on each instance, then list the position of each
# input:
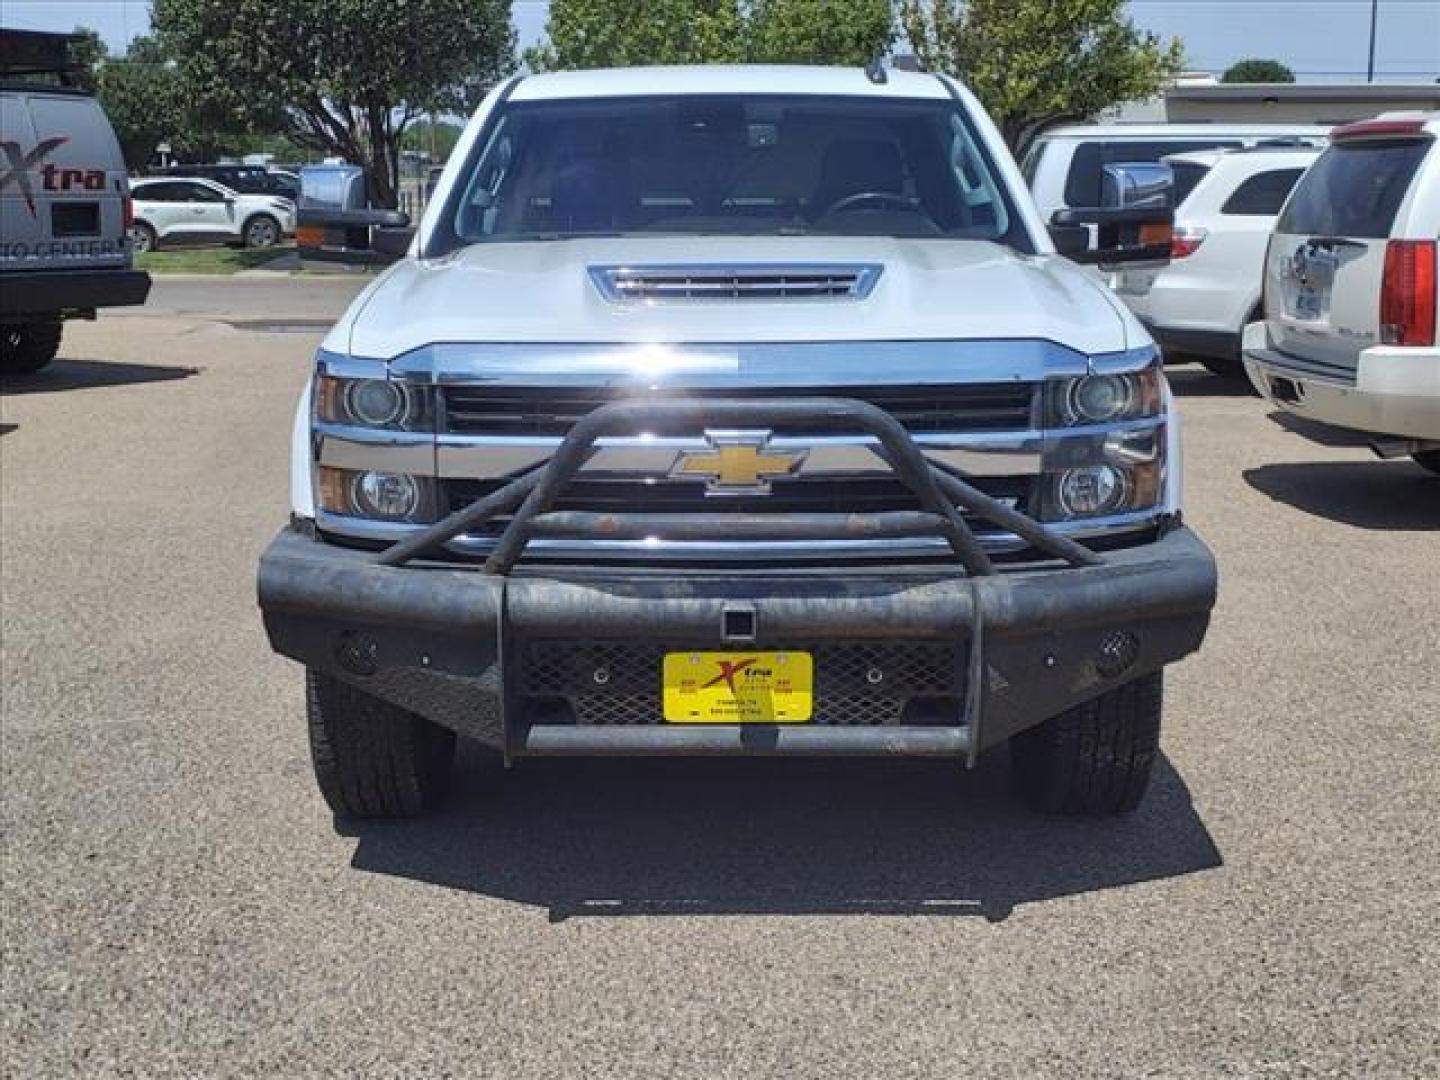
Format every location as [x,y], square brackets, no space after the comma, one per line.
[739,411]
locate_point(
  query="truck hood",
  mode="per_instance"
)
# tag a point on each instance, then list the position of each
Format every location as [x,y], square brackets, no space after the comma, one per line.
[543,292]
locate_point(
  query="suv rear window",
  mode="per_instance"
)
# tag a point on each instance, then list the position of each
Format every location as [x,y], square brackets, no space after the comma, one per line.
[1263,194]
[1082,185]
[1354,189]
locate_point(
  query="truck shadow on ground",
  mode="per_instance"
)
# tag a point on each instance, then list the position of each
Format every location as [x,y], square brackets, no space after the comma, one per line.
[777,837]
[90,375]
[1381,495]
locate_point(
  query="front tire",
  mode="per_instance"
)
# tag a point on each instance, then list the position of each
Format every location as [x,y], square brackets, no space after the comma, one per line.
[261,231]
[26,348]
[1428,459]
[373,759]
[1096,758]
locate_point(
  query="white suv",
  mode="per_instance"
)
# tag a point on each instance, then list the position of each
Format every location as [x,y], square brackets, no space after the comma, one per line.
[1349,337]
[171,210]
[1199,305]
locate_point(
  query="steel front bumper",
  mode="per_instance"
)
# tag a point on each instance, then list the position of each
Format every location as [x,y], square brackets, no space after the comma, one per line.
[443,641]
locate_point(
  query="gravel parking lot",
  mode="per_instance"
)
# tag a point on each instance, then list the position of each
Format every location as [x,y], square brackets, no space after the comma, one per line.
[178,902]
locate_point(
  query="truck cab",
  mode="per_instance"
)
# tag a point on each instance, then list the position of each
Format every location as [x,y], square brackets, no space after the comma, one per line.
[739,411]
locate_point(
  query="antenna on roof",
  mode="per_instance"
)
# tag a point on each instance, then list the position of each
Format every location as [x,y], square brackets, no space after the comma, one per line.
[875,70]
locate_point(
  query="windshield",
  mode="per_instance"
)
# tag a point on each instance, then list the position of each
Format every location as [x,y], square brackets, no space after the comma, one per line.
[731,165]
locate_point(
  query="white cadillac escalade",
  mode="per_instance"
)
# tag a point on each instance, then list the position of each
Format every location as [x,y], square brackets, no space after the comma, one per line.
[739,411]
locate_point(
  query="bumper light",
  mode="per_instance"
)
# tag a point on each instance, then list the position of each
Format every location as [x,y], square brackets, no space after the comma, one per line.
[379,496]
[1096,489]
[394,496]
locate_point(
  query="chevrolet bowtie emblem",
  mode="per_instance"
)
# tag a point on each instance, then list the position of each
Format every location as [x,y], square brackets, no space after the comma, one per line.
[738,463]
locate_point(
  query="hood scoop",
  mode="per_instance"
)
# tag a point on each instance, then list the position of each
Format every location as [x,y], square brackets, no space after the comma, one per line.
[733,281]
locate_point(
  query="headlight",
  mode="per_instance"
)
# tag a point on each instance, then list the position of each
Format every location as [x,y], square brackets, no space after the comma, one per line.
[374,403]
[379,496]
[1104,399]
[1099,399]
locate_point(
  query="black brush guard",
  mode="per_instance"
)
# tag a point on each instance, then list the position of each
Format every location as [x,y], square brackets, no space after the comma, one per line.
[436,640]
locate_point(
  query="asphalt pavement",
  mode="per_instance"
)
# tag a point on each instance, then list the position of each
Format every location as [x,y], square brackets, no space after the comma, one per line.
[178,902]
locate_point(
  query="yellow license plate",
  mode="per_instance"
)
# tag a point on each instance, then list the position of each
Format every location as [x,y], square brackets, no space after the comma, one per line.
[738,687]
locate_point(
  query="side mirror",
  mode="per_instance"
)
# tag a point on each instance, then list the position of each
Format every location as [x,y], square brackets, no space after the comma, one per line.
[1131,237]
[1136,185]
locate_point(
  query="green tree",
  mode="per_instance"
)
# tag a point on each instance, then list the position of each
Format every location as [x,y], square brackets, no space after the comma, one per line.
[1258,71]
[141,95]
[1032,62]
[345,77]
[842,32]
[436,137]
[87,53]
[624,33]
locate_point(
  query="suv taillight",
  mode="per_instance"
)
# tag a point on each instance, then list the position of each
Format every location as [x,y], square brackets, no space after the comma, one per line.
[1407,294]
[1185,241]
[127,213]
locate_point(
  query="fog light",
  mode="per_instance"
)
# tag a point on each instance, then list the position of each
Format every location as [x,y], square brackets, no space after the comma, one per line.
[386,495]
[1097,489]
[1099,399]
[376,402]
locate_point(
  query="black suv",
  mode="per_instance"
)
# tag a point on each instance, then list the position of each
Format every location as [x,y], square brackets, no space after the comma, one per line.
[246,179]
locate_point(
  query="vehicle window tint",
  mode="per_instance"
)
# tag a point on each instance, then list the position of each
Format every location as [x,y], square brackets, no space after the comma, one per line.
[200,193]
[1264,193]
[1082,184]
[1187,175]
[1354,189]
[155,192]
[734,164]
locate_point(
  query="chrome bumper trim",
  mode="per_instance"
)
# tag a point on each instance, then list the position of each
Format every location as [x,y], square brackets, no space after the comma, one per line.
[789,551]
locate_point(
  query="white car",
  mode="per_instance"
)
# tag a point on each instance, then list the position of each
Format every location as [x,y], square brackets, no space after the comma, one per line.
[739,410]
[1065,165]
[1349,337]
[1200,304]
[176,210]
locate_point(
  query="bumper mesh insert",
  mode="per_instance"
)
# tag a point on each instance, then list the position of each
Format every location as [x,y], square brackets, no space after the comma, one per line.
[618,682]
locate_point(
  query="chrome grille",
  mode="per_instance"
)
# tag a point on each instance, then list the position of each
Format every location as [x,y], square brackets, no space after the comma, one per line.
[551,410]
[919,681]
[807,495]
[721,282]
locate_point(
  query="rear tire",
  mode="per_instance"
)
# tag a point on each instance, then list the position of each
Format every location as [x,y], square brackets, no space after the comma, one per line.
[1096,758]
[143,239]
[1428,459]
[373,759]
[26,348]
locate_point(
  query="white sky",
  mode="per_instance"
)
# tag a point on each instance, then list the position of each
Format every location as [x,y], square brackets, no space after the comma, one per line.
[1321,40]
